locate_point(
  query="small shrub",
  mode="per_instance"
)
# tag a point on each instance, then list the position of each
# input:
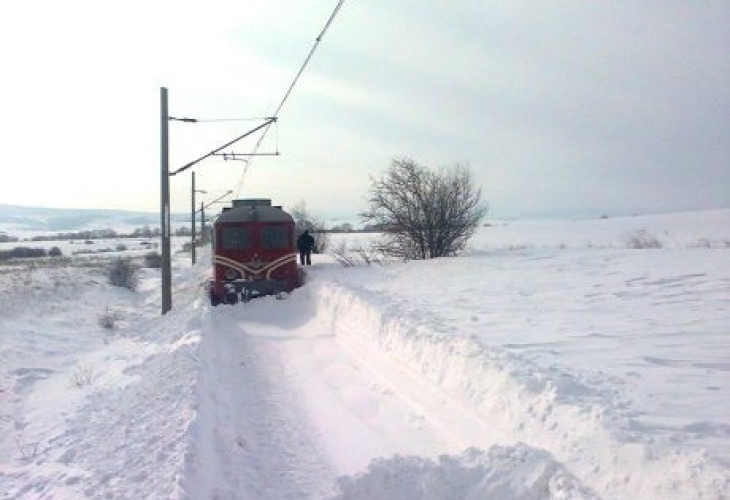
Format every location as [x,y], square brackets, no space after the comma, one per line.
[702,243]
[372,255]
[28,451]
[121,247]
[642,239]
[22,253]
[365,256]
[357,256]
[107,319]
[341,255]
[82,376]
[153,260]
[123,273]
[55,252]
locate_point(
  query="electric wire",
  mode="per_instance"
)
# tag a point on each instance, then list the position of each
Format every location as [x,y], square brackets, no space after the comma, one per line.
[317,41]
[255,118]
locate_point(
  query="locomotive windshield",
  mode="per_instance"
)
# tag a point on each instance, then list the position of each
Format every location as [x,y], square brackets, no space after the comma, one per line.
[235,238]
[274,237]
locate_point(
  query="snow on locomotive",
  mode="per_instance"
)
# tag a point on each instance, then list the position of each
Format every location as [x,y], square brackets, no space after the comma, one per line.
[254,252]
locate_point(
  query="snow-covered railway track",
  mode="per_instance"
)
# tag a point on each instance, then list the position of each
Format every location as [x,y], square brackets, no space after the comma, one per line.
[248,439]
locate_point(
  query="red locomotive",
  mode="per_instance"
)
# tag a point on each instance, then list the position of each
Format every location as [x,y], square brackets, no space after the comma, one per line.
[254,252]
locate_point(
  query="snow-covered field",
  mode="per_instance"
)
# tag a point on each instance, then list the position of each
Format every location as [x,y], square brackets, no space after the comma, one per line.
[550,361]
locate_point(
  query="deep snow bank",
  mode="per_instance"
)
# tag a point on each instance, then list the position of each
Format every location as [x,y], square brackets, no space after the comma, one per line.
[516,401]
[88,412]
[506,473]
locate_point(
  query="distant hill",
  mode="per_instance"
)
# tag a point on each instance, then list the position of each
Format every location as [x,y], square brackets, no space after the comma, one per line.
[52,220]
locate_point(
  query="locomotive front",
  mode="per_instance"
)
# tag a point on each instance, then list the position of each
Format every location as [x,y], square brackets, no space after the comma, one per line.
[254,252]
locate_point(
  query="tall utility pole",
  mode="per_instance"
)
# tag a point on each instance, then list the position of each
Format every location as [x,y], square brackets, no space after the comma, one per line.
[165,203]
[203,236]
[192,219]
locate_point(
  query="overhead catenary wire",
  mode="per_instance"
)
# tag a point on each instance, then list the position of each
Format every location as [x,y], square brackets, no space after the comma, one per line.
[309,56]
[288,92]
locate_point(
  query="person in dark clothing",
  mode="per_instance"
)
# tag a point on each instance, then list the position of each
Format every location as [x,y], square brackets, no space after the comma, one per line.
[305,244]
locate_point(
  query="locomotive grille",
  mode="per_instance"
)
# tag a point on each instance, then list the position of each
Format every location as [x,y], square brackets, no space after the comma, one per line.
[264,271]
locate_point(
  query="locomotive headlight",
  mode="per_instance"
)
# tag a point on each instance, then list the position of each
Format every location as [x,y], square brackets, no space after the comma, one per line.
[231,274]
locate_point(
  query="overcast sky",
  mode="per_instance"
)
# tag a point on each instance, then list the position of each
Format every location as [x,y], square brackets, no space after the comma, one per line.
[564,107]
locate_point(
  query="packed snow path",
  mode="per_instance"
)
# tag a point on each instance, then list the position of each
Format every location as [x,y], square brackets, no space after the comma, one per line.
[249,440]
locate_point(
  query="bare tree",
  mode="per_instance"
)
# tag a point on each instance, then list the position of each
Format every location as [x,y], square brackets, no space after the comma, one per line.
[424,213]
[303,221]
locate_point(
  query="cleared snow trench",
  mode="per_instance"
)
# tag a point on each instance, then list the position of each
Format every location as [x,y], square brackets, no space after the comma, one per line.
[327,395]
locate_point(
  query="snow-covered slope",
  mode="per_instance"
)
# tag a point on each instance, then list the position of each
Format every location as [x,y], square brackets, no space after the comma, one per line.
[548,362]
[27,222]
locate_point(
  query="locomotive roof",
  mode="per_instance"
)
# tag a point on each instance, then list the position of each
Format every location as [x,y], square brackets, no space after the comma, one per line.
[256,213]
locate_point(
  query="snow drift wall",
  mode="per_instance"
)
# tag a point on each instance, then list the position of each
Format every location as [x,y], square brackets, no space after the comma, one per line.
[582,423]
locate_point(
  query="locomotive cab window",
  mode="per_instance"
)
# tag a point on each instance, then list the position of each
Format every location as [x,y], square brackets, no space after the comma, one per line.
[274,237]
[235,238]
